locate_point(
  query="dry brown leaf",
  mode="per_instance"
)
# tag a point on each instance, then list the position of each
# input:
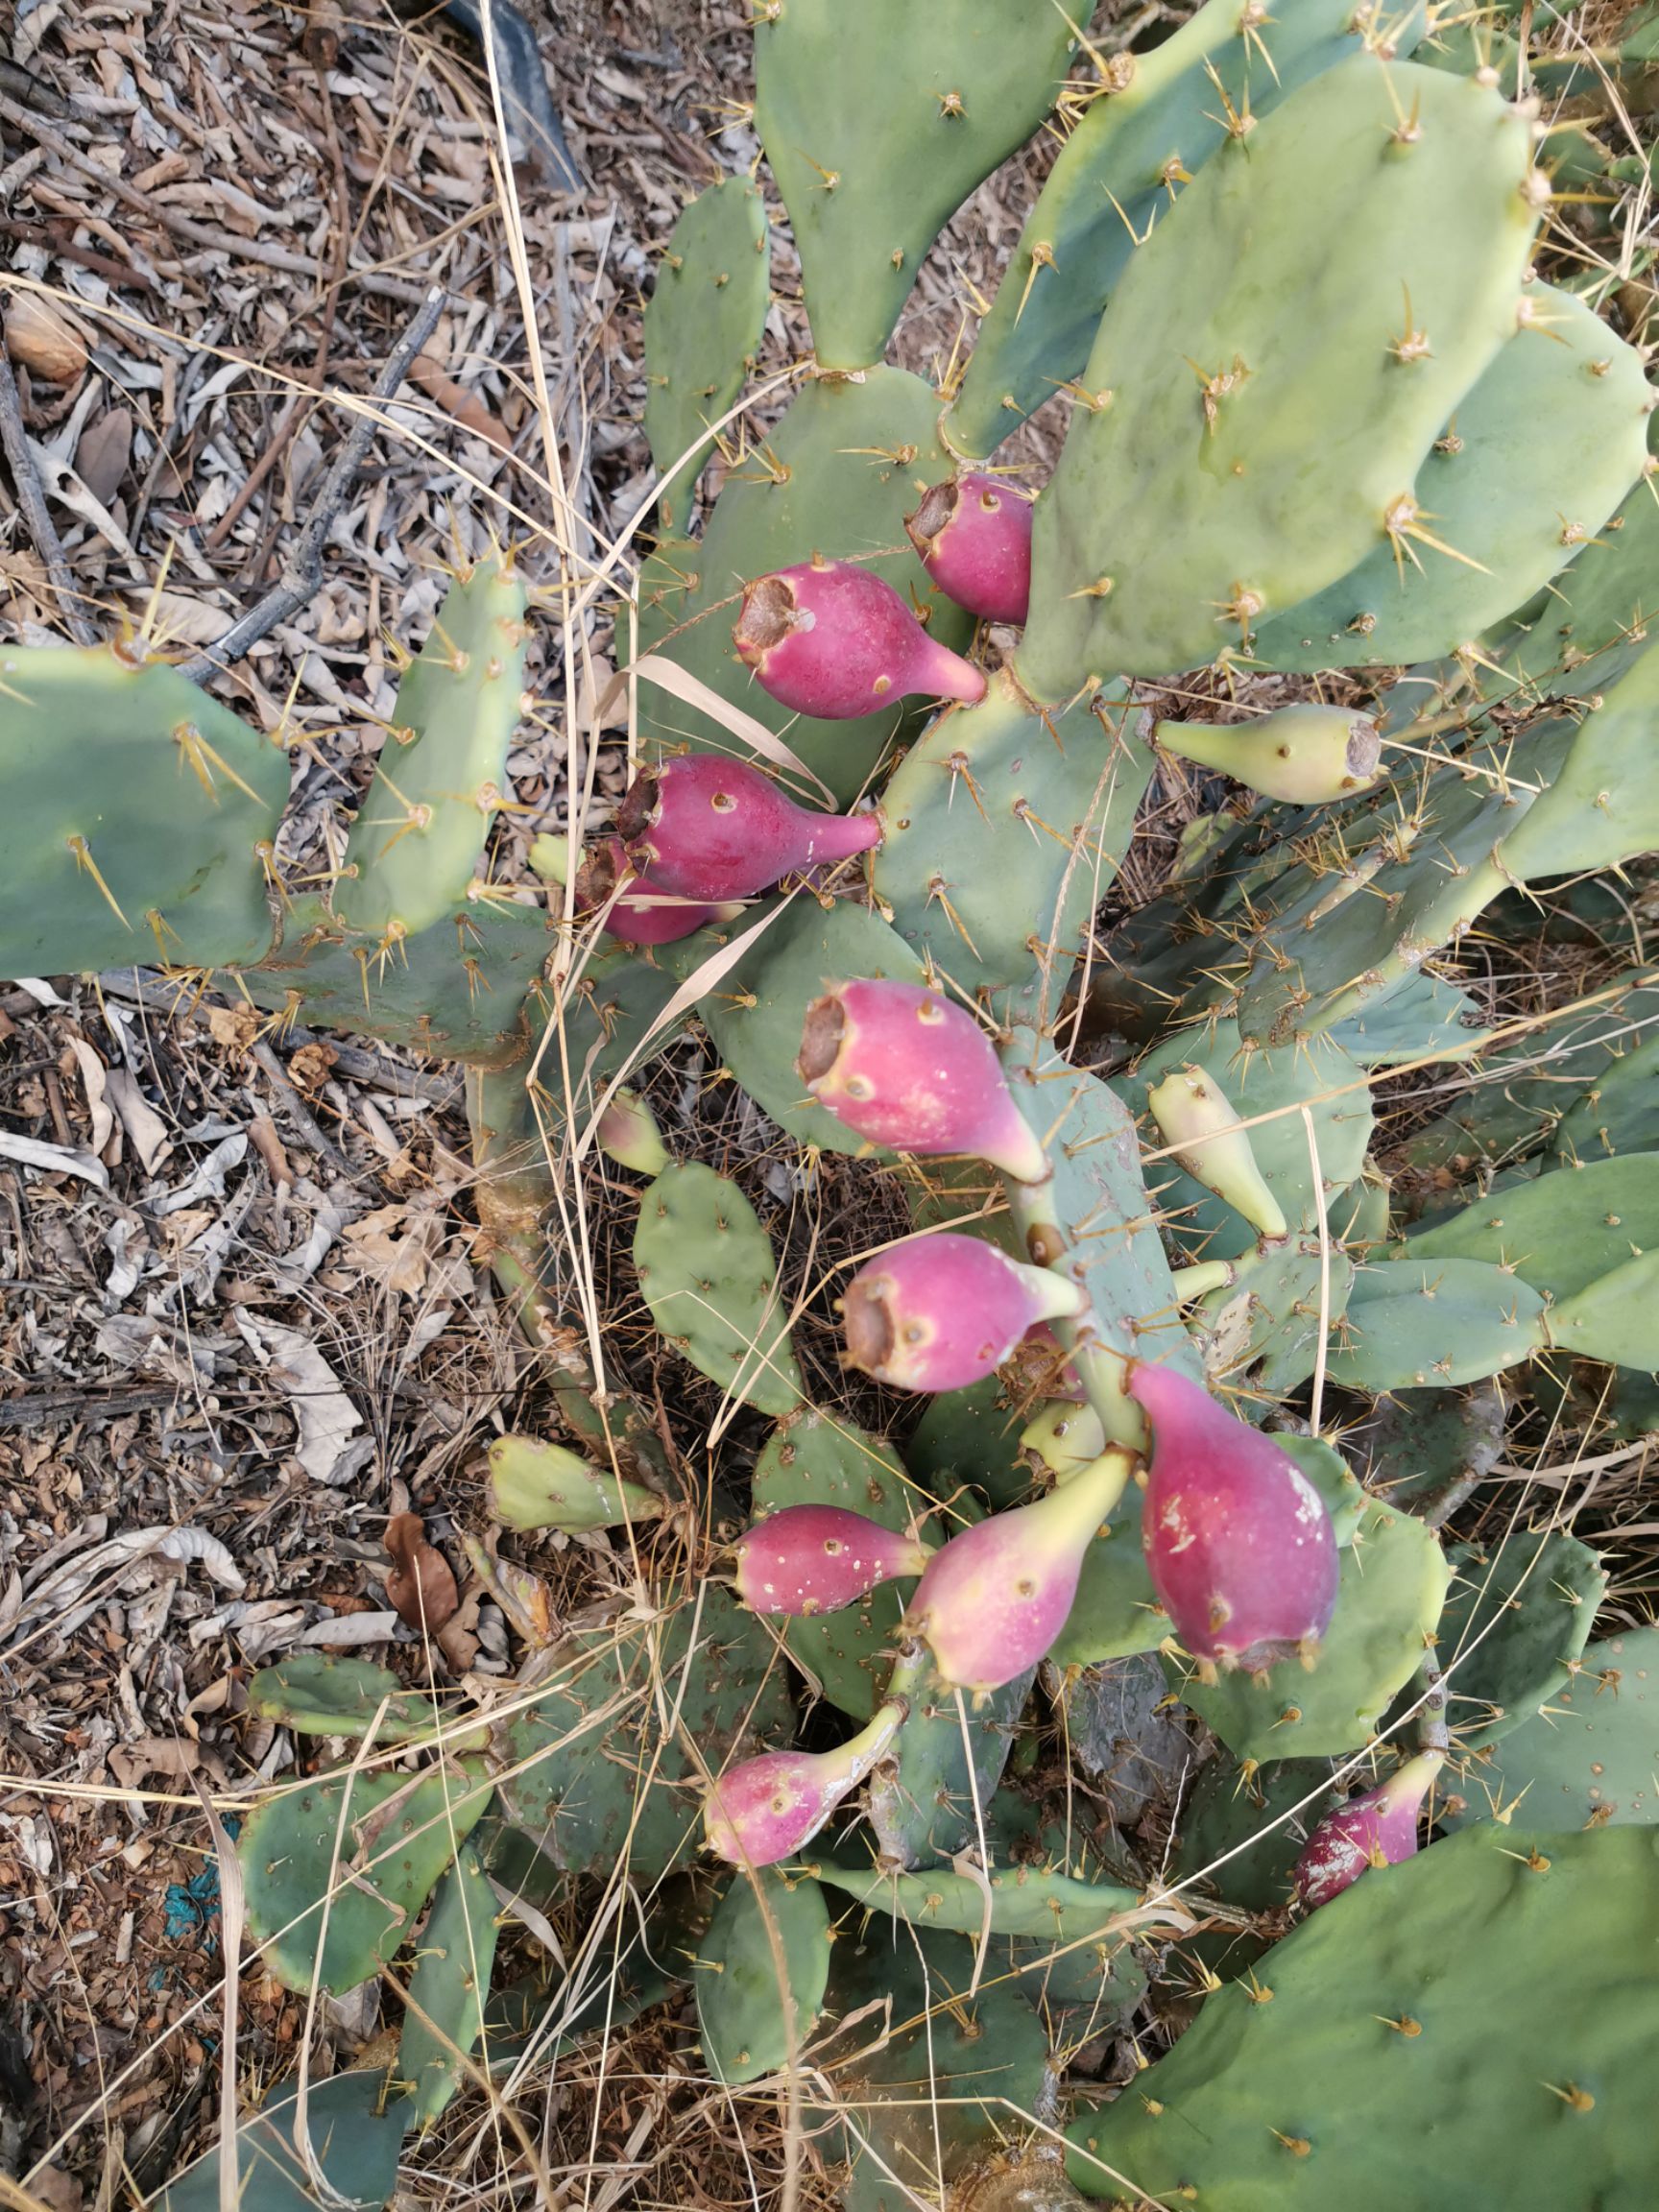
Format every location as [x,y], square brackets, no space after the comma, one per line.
[421,1585]
[395,1246]
[234,1027]
[262,1135]
[43,340]
[92,1075]
[103,452]
[311,1066]
[461,406]
[144,1127]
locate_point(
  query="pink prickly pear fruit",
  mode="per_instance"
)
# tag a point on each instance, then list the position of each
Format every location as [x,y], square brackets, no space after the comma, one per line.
[939,1313]
[833,639]
[1378,1829]
[973,535]
[703,827]
[1203,1131]
[769,1808]
[1238,1541]
[645,912]
[897,1063]
[806,1559]
[993,1599]
[628,1133]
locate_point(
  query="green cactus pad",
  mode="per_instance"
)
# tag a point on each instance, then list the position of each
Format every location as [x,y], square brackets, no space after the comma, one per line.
[924,1803]
[761,1974]
[1419,1323]
[706,1266]
[1267,1089]
[1615,1319]
[1510,528]
[1557,1232]
[356,2134]
[441,775]
[1242,1830]
[1589,1760]
[448,1987]
[325,1694]
[1601,806]
[877,124]
[375,1868]
[1619,1111]
[1098,1192]
[534,1484]
[928,2079]
[972,1438]
[756,1012]
[1516,1623]
[1394,1579]
[1247,456]
[818,1460]
[1423,1449]
[704,324]
[137,811]
[1268,1317]
[1115,176]
[1022,1900]
[1385,2027]
[837,476]
[1003,829]
[1423,1017]
[601,1773]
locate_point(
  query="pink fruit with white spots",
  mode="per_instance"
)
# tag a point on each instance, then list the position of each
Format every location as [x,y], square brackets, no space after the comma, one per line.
[897,1063]
[806,1559]
[835,640]
[769,1808]
[1238,1541]
[942,1312]
[703,827]
[1378,1829]
[995,1598]
[973,535]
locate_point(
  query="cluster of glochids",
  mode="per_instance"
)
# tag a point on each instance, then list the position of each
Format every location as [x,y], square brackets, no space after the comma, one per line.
[831,640]
[1240,1549]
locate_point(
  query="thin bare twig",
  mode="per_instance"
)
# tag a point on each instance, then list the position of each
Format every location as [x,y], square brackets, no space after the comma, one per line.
[302,578]
[32,498]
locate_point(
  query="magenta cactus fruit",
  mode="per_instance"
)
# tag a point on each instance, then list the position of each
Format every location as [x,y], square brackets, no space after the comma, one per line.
[897,1063]
[833,639]
[769,1808]
[806,1559]
[993,1599]
[973,535]
[1238,1544]
[703,827]
[939,1313]
[1378,1829]
[645,912]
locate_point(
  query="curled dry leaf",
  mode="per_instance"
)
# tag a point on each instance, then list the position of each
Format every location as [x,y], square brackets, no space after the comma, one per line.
[420,1585]
[463,407]
[43,339]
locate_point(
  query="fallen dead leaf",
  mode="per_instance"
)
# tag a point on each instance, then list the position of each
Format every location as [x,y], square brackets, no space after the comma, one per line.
[325,1417]
[234,1027]
[422,1584]
[463,407]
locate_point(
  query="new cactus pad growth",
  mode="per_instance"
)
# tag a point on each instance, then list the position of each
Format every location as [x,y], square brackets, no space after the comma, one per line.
[940,1312]
[992,1603]
[706,828]
[835,640]
[767,1809]
[809,1559]
[1377,1829]
[898,1064]
[974,537]
[1238,1544]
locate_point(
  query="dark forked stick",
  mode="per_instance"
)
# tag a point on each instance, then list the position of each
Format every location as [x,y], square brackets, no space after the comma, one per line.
[302,577]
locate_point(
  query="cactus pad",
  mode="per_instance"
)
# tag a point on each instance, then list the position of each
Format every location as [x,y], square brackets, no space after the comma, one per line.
[877,124]
[376,1866]
[323,1694]
[356,2136]
[1416,1324]
[922,1798]
[1382,2005]
[1247,455]
[706,1266]
[1589,1760]
[1515,1626]
[448,1987]
[704,324]
[137,811]
[441,774]
[761,1974]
